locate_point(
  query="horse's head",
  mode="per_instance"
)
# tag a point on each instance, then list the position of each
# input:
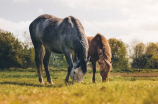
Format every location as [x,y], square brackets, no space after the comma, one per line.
[77,72]
[105,66]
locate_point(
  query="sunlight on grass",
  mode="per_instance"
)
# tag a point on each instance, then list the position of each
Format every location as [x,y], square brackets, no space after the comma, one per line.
[24,88]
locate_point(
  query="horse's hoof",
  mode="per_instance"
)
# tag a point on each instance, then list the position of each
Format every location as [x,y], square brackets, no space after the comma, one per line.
[93,81]
[105,80]
[51,83]
[42,82]
[66,80]
[81,82]
[66,83]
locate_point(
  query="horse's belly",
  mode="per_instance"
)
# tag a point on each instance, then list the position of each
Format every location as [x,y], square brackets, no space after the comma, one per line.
[53,46]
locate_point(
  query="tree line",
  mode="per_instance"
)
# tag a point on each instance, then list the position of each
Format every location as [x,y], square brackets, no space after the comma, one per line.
[14,53]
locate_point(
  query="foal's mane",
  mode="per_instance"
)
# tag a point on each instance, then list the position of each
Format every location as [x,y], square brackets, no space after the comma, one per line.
[105,47]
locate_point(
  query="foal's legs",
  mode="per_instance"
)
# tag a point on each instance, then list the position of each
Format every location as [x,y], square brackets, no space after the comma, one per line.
[46,63]
[94,71]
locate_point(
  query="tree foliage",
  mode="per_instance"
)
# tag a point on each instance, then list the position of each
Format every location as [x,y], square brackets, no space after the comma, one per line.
[139,58]
[58,61]
[14,53]
[145,56]
[119,54]
[152,55]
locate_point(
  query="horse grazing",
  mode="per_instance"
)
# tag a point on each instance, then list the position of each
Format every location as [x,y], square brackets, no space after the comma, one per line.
[99,50]
[64,36]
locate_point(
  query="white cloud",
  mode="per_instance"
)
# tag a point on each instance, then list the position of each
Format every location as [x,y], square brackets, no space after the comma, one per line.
[144,37]
[17,28]
[40,11]
[139,18]
[108,4]
[145,29]
[24,1]
[124,25]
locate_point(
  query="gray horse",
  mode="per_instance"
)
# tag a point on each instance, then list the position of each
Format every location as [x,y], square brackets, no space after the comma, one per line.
[64,36]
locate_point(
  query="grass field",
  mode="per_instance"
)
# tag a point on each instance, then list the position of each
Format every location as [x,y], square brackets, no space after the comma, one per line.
[22,87]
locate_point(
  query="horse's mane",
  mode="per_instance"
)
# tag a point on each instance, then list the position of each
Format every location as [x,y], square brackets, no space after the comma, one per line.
[81,37]
[105,47]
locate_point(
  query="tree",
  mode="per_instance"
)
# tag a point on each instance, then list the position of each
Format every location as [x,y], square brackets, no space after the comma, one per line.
[152,55]
[14,53]
[139,58]
[9,50]
[119,54]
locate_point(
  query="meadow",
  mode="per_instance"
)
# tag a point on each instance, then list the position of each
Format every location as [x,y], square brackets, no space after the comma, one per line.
[22,87]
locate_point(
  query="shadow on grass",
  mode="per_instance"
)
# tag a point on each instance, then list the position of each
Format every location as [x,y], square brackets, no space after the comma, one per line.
[36,85]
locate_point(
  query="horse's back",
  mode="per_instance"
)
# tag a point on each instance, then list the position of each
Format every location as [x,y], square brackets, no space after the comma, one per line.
[96,43]
[54,33]
[93,47]
[44,21]
[43,30]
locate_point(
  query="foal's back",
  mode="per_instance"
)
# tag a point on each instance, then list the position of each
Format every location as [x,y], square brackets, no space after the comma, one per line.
[99,42]
[94,45]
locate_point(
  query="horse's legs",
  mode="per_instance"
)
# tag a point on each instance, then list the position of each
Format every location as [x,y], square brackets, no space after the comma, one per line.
[46,63]
[94,71]
[39,60]
[70,63]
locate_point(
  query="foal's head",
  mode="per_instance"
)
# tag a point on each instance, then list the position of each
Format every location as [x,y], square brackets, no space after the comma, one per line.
[105,66]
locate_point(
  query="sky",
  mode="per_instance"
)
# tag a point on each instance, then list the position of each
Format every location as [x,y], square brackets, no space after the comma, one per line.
[121,19]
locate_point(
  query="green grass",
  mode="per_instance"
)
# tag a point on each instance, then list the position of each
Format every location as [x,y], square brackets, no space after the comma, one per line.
[22,87]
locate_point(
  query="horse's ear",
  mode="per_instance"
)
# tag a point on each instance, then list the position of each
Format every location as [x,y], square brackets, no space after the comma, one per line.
[78,64]
[88,59]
